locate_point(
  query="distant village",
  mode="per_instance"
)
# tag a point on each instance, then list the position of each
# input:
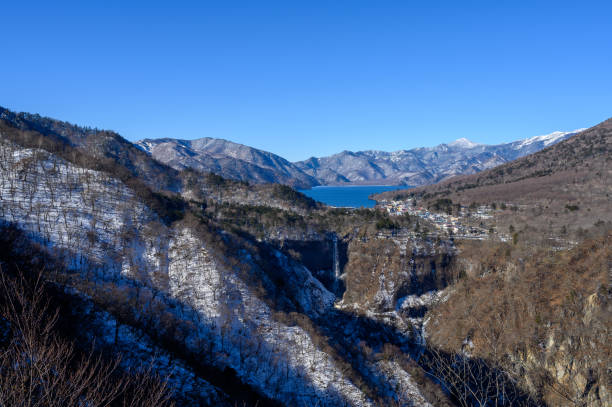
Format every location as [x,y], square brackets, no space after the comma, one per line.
[450,224]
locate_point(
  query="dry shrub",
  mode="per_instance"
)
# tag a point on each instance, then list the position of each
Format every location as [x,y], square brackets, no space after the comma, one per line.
[40,368]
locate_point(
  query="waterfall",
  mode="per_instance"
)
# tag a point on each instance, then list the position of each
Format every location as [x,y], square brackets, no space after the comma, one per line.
[336,260]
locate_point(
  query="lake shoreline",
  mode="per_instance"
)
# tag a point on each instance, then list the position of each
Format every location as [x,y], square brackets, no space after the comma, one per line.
[348,196]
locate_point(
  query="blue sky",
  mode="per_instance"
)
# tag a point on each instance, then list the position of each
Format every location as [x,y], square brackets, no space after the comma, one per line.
[312,78]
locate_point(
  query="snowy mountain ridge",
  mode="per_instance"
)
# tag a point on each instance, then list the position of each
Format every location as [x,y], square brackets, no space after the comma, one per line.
[424,165]
[415,167]
[548,139]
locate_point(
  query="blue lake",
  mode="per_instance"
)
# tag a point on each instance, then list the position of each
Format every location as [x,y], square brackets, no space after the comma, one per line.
[348,196]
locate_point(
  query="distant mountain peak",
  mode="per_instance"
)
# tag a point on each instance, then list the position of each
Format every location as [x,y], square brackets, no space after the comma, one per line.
[463,142]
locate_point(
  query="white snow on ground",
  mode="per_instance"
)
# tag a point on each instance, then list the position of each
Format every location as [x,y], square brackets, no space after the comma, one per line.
[137,346]
[275,358]
[416,301]
[67,207]
[95,222]
[407,393]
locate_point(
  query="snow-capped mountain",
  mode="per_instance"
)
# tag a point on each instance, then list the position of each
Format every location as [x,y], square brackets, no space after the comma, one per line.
[228,159]
[422,166]
[463,142]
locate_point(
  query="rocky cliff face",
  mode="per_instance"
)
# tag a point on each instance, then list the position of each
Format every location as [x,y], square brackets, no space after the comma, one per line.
[543,317]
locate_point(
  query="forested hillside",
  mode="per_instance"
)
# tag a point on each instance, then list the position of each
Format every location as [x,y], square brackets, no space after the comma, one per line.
[158,286]
[166,273]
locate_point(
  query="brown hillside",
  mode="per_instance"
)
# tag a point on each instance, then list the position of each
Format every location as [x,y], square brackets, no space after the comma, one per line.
[567,186]
[581,158]
[542,315]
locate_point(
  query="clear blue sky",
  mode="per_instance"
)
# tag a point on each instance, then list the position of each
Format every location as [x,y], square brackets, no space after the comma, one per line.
[304,78]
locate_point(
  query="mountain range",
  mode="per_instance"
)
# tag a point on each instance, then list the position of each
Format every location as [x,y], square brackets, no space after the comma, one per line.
[415,167]
[236,293]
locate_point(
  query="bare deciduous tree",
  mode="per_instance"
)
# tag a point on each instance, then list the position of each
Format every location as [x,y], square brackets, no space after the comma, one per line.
[40,368]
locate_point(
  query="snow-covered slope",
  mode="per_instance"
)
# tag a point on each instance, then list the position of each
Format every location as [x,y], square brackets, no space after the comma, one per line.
[96,223]
[546,139]
[158,277]
[124,258]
